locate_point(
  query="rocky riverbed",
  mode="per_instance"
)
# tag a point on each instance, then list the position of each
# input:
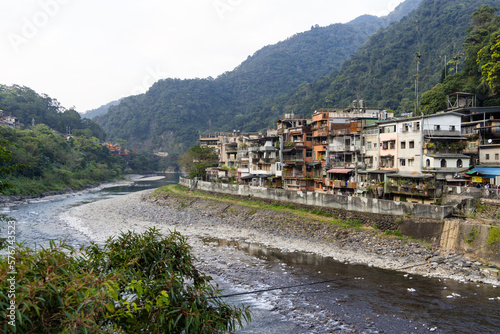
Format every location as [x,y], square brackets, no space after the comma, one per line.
[218,230]
[201,217]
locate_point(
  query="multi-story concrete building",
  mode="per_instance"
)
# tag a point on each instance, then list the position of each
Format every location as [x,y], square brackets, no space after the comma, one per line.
[296,153]
[262,159]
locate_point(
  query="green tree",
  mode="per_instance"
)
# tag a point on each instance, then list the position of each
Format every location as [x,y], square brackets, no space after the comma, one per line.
[488,58]
[134,283]
[197,159]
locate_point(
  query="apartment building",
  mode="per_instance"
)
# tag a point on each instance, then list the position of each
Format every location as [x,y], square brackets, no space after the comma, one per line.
[296,153]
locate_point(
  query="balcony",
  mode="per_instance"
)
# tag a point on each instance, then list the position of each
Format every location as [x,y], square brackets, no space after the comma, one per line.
[336,184]
[442,133]
[342,148]
[253,149]
[267,149]
[413,191]
[293,175]
[293,160]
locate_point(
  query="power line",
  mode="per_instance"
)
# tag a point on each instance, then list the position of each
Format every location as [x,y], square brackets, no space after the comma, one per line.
[329,281]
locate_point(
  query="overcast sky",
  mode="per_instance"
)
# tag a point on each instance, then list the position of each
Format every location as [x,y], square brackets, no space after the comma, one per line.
[86,53]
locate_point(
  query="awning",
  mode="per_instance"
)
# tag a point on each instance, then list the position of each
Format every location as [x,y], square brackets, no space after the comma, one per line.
[314,163]
[340,171]
[246,177]
[489,171]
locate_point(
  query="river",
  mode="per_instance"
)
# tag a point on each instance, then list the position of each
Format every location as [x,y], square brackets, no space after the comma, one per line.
[353,299]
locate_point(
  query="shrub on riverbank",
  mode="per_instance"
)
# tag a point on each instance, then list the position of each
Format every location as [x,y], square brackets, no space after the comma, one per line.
[142,283]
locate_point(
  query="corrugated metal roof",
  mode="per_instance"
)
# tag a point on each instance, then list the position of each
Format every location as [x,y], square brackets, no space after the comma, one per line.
[492,171]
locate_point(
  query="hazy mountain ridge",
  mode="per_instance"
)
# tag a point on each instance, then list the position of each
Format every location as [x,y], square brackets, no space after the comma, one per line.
[101,110]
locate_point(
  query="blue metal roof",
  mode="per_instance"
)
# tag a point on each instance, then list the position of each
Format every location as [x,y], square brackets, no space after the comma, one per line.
[491,171]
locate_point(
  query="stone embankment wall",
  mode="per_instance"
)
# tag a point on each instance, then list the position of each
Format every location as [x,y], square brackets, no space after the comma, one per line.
[360,204]
[481,240]
[473,192]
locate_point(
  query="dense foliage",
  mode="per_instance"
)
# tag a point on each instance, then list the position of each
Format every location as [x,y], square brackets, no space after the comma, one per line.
[480,73]
[383,71]
[197,159]
[29,106]
[50,162]
[173,112]
[134,283]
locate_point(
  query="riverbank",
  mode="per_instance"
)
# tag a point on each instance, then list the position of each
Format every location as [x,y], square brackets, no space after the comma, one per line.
[8,200]
[282,228]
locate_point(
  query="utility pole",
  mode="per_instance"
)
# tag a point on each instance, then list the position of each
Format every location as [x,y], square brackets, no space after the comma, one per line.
[416,83]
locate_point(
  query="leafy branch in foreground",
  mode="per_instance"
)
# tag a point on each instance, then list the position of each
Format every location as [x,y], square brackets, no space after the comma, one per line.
[135,283]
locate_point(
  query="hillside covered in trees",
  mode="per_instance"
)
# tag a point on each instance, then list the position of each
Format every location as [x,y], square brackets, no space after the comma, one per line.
[173,112]
[43,158]
[324,67]
[383,71]
[29,106]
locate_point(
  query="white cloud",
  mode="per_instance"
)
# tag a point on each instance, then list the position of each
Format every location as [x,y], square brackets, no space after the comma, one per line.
[87,53]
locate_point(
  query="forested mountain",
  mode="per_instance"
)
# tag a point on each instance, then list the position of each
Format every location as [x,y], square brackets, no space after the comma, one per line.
[100,111]
[173,112]
[28,106]
[382,72]
[481,70]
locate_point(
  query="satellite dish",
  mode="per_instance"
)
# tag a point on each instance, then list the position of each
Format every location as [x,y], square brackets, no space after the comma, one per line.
[490,141]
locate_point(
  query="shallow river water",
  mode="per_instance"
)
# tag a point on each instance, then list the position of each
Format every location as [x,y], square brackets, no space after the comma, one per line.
[315,295]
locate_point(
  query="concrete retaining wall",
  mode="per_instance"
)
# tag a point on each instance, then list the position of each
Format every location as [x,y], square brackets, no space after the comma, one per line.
[472,192]
[472,238]
[359,204]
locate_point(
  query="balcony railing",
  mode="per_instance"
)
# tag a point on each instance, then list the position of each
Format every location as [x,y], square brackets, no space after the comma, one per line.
[447,133]
[336,184]
[413,191]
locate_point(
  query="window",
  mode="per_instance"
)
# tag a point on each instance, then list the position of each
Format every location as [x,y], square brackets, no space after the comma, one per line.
[369,145]
[309,153]
[417,126]
[443,163]
[427,163]
[437,127]
[403,145]
[412,144]
[472,146]
[497,156]
[452,128]
[411,162]
[392,145]
[375,145]
[402,162]
[487,157]
[459,163]
[309,138]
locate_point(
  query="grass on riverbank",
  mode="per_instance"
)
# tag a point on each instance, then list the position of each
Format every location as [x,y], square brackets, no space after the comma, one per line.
[311,214]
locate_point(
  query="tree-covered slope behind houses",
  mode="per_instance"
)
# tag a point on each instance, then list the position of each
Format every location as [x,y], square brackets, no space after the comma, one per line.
[383,71]
[171,114]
